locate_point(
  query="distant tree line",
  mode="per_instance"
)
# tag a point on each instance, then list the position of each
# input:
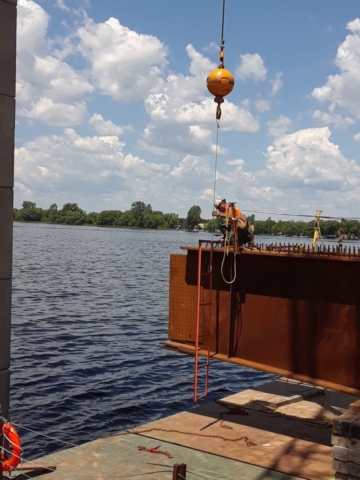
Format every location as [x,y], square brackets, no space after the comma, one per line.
[290,228]
[141,215]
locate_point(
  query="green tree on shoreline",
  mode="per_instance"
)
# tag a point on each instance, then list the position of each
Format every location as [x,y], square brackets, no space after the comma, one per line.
[141,215]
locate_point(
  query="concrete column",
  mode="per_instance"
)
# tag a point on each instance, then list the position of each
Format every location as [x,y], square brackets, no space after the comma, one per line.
[7,131]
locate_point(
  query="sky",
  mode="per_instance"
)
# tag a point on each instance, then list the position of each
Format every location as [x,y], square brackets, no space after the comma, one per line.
[112,105]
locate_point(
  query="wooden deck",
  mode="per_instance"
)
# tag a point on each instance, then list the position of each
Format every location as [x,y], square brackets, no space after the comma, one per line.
[280,430]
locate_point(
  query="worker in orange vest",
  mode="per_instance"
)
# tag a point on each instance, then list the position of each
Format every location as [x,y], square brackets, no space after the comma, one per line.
[234,214]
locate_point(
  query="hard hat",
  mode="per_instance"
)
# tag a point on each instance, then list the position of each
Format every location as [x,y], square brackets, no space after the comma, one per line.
[219,202]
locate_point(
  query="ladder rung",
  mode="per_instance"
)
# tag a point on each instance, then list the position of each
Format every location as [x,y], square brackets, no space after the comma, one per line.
[204,304]
[202,366]
[201,396]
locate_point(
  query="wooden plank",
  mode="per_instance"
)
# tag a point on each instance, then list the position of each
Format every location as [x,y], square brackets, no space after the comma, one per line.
[273,442]
[30,466]
[355,406]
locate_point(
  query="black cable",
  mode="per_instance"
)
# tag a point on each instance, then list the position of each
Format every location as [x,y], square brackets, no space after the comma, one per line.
[222,26]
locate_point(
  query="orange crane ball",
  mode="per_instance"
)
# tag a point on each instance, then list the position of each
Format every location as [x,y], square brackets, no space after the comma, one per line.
[220,82]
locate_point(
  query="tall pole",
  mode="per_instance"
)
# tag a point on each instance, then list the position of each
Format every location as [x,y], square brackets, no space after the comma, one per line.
[7,134]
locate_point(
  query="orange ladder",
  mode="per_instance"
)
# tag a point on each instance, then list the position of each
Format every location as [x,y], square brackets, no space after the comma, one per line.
[199,307]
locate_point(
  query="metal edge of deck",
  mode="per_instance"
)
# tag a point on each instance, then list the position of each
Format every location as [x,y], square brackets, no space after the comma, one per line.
[314,254]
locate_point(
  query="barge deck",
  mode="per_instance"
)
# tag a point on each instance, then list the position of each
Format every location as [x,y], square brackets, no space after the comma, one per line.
[280,430]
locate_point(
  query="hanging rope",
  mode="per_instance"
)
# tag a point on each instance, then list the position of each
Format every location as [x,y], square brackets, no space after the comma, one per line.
[227,236]
[226,252]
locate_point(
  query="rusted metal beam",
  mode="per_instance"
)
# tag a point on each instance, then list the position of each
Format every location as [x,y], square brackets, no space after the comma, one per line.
[292,314]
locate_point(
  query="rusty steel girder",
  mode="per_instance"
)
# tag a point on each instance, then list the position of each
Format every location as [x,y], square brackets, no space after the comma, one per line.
[292,313]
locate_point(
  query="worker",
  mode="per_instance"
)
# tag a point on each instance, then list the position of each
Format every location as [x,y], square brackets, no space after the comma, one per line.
[341,232]
[245,233]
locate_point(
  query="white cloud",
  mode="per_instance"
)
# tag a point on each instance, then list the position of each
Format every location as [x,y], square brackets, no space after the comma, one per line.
[279,127]
[325,118]
[262,105]
[238,162]
[32,24]
[107,127]
[200,66]
[354,25]
[236,178]
[276,83]
[189,127]
[26,193]
[211,48]
[343,90]
[44,171]
[43,80]
[125,65]
[163,139]
[71,167]
[55,114]
[357,137]
[251,66]
[238,118]
[193,172]
[268,194]
[61,4]
[183,114]
[76,166]
[307,158]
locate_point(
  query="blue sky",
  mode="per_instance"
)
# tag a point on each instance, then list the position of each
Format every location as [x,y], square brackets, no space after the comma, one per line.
[112,105]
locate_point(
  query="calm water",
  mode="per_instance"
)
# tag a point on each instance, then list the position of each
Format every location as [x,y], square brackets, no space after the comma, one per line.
[90,310]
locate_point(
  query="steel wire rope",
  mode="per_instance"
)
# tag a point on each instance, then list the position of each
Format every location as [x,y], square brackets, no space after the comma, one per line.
[217,128]
[303,390]
[96,477]
[96,450]
[38,433]
[24,460]
[302,215]
[43,467]
[5,437]
[222,25]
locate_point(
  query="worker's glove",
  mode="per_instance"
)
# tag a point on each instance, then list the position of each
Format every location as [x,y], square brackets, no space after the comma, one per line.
[215,214]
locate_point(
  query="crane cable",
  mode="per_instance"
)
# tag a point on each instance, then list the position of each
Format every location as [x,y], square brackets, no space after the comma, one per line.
[218,117]
[222,41]
[222,46]
[220,100]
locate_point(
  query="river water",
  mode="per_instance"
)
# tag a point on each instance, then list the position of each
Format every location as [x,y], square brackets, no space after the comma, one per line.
[90,311]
